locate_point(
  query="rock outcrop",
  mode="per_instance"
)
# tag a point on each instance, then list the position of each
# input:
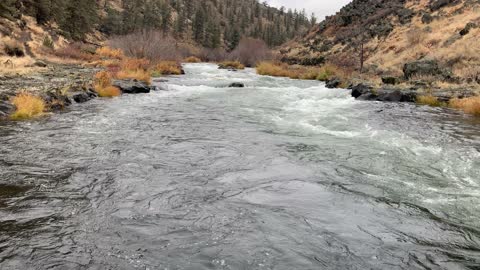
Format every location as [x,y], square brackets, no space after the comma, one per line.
[133,87]
[426,68]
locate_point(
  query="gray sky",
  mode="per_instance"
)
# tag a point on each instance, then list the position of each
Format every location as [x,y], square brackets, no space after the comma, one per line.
[321,8]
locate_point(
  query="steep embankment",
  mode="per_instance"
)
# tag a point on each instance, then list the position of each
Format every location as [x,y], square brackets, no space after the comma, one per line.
[439,38]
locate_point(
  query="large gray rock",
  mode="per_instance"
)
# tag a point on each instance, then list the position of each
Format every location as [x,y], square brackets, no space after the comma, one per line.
[425,68]
[133,87]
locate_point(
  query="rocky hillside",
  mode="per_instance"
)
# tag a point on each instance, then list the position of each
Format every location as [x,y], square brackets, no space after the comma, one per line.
[412,39]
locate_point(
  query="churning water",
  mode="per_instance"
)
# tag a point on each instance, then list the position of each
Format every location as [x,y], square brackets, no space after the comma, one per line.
[282,174]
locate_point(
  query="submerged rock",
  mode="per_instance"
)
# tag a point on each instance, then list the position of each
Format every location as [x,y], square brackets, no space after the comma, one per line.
[237,85]
[333,83]
[56,101]
[6,109]
[133,87]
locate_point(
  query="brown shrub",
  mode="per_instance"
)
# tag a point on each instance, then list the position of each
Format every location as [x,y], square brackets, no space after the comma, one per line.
[75,51]
[13,48]
[152,45]
[213,55]
[107,52]
[251,51]
[192,59]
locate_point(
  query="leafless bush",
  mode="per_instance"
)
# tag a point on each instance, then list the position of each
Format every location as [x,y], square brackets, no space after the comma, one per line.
[251,51]
[77,50]
[152,45]
[213,55]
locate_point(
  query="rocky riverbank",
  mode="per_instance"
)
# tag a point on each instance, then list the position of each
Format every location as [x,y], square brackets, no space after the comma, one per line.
[410,94]
[59,86]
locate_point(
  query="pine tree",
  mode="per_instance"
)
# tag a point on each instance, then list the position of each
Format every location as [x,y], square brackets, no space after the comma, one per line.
[199,25]
[7,9]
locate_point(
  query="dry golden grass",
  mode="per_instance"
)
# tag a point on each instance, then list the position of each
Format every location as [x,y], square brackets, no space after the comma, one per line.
[134,64]
[16,65]
[103,85]
[108,92]
[110,53]
[413,41]
[27,106]
[231,65]
[137,74]
[103,79]
[192,59]
[323,73]
[273,69]
[166,68]
[429,100]
[469,105]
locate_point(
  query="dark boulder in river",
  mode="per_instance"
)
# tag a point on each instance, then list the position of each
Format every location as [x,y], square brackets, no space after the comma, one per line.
[360,89]
[237,85]
[333,83]
[133,87]
[6,109]
[365,92]
[83,97]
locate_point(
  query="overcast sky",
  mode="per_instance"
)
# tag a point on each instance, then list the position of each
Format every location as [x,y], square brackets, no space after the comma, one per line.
[321,8]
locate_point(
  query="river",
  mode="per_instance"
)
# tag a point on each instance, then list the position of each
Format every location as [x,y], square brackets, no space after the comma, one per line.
[282,174]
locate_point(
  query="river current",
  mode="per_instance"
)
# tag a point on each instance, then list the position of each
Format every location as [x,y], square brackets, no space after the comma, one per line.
[282,174]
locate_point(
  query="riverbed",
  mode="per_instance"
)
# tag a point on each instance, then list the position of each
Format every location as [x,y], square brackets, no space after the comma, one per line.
[281,174]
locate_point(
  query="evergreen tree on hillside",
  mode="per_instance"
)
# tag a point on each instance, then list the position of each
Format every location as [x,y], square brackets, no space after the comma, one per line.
[199,25]
[80,18]
[8,9]
[212,23]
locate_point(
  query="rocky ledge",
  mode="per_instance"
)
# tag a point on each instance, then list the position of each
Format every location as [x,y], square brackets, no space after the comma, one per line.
[396,94]
[133,87]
